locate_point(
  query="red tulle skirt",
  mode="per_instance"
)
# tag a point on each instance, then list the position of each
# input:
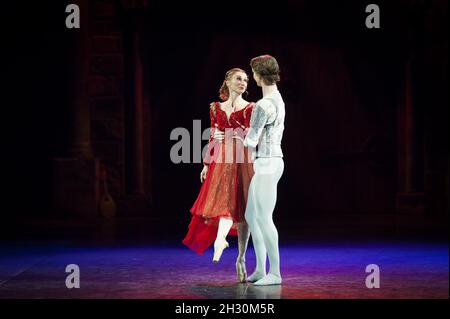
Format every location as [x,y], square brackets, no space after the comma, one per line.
[223,194]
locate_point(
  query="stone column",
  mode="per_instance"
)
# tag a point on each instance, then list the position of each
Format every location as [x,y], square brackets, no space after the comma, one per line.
[410,197]
[80,145]
[137,200]
[75,182]
[136,173]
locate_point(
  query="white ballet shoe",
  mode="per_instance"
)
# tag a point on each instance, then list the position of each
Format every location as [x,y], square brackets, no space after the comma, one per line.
[241,271]
[255,277]
[219,246]
[270,279]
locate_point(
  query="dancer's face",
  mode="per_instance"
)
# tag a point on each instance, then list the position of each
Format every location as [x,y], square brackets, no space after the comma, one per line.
[238,83]
[257,78]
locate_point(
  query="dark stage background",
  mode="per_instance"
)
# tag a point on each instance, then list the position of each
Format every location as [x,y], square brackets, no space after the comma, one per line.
[366,139]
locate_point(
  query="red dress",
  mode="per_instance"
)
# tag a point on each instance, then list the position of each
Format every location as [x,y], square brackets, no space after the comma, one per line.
[224,191]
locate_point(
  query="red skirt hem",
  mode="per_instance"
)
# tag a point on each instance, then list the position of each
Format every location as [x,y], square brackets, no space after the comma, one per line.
[201,235]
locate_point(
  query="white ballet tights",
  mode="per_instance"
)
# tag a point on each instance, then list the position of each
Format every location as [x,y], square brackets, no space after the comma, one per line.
[224,227]
[262,197]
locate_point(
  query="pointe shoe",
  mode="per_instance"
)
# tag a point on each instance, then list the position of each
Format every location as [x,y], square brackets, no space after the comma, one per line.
[241,271]
[218,249]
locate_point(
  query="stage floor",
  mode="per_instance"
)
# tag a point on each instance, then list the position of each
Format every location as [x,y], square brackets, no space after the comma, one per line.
[161,270]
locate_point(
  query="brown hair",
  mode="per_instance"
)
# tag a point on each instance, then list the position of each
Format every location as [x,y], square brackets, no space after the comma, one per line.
[224,92]
[266,66]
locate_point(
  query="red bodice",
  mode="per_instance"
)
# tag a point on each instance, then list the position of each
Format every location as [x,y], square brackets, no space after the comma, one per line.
[237,119]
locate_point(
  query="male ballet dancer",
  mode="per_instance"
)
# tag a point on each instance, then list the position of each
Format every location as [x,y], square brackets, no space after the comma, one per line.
[266,132]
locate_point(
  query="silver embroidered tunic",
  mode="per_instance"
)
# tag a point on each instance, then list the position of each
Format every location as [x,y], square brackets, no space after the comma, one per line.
[267,126]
